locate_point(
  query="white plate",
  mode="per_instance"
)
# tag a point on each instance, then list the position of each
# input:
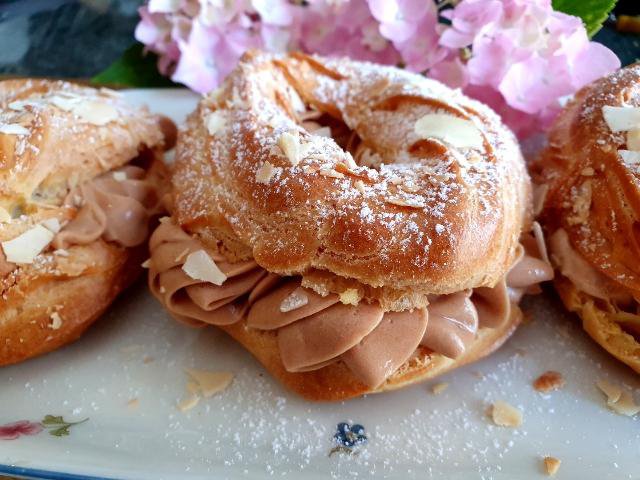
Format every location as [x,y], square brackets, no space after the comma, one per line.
[255,428]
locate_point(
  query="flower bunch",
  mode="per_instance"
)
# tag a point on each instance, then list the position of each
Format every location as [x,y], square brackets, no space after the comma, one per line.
[519,56]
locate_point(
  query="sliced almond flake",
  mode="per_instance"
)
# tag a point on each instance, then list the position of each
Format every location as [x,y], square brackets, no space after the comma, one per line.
[296,299]
[27,246]
[456,131]
[289,143]
[613,392]
[633,139]
[621,119]
[266,172]
[409,188]
[52,224]
[215,122]
[325,172]
[405,202]
[61,252]
[210,383]
[395,180]
[96,113]
[4,215]
[551,465]
[188,403]
[587,172]
[56,321]
[438,388]
[13,129]
[505,415]
[360,186]
[65,103]
[119,176]
[200,266]
[146,263]
[350,296]
[19,105]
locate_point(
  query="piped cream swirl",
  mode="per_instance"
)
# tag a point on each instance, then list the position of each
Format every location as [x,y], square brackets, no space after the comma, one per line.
[313,330]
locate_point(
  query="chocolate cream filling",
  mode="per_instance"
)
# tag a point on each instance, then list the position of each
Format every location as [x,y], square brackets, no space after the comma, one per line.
[586,278]
[115,206]
[314,331]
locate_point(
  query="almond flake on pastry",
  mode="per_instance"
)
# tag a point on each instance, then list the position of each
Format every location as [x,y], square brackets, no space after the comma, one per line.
[505,415]
[405,202]
[200,266]
[633,139]
[215,122]
[621,119]
[52,224]
[266,172]
[294,300]
[13,129]
[322,132]
[456,131]
[56,321]
[326,172]
[359,186]
[289,143]
[28,245]
[96,113]
[210,383]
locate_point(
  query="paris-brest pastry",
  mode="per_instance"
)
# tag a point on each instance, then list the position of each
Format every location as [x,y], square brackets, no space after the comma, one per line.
[357,228]
[590,177]
[80,180]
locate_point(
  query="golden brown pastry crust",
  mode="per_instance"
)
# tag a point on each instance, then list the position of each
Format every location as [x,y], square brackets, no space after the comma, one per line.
[595,197]
[304,223]
[49,303]
[336,382]
[308,220]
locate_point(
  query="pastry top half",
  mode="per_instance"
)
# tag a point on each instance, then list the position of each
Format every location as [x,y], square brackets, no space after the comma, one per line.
[589,186]
[356,227]
[81,178]
[421,190]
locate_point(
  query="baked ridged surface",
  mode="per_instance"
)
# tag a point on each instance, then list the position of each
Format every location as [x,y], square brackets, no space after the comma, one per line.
[464,237]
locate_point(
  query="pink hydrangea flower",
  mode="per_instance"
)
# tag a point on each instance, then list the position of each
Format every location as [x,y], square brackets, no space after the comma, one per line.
[11,431]
[529,54]
[518,56]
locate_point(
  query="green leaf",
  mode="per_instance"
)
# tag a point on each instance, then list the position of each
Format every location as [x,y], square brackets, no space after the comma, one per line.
[53,420]
[60,432]
[135,68]
[592,12]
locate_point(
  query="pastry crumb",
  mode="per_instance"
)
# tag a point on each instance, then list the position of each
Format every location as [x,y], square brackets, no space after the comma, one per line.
[350,296]
[438,388]
[551,465]
[548,381]
[505,415]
